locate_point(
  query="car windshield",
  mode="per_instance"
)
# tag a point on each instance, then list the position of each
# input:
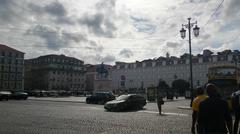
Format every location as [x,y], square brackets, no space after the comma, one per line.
[122,97]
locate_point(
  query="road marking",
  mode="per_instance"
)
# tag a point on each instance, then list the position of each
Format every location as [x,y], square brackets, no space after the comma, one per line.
[164,113]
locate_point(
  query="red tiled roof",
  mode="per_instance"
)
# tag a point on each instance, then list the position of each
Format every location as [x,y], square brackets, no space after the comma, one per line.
[7,48]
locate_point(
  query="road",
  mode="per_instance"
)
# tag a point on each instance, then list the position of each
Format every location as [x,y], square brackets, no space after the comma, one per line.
[46,117]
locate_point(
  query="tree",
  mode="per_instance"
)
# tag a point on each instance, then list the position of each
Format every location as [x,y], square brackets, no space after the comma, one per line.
[180,86]
[162,88]
[162,85]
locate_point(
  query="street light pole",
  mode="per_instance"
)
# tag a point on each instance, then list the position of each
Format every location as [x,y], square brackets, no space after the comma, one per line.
[183,34]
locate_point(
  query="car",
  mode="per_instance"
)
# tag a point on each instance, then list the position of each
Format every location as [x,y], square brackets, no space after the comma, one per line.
[126,102]
[19,95]
[100,98]
[5,95]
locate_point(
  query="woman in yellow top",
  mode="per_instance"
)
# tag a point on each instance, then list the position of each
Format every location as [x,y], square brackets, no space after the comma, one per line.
[195,106]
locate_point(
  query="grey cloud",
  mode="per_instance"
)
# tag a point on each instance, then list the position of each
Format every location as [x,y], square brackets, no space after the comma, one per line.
[94,46]
[99,24]
[108,59]
[199,1]
[102,22]
[6,10]
[11,12]
[110,4]
[205,36]
[127,53]
[55,38]
[143,24]
[54,9]
[173,44]
[233,8]
[97,58]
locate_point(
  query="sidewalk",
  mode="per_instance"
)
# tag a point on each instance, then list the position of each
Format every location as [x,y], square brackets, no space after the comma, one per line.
[60,99]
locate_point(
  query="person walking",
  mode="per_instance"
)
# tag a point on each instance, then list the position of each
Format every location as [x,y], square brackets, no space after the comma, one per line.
[235,99]
[195,107]
[160,102]
[214,115]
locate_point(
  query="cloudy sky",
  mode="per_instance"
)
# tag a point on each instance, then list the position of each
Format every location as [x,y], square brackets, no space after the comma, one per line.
[107,31]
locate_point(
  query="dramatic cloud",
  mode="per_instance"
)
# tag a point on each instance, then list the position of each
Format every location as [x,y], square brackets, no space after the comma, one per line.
[55,38]
[54,9]
[102,22]
[126,53]
[117,30]
[98,24]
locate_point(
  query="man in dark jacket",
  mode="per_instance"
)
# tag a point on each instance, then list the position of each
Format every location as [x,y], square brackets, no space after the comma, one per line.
[214,114]
[235,99]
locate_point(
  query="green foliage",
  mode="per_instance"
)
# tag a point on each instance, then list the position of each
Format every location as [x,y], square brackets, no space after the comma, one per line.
[180,86]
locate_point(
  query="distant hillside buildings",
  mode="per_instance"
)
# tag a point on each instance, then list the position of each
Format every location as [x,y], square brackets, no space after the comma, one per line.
[11,69]
[60,72]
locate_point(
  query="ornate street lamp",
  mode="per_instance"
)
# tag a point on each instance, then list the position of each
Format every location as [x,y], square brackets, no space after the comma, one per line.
[183,35]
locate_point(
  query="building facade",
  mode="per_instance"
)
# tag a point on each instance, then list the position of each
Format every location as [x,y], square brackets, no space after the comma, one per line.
[54,72]
[11,69]
[98,78]
[147,73]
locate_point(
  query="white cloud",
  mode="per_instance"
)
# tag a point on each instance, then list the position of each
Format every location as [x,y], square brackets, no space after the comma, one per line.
[99,30]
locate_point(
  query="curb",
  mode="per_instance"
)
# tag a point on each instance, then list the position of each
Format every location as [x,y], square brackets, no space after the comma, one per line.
[184,107]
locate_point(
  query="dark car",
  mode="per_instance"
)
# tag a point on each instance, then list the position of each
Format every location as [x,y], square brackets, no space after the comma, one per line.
[19,95]
[126,102]
[100,98]
[5,95]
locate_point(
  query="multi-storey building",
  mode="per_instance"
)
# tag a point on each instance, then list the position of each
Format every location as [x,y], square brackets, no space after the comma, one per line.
[54,72]
[11,68]
[147,73]
[98,78]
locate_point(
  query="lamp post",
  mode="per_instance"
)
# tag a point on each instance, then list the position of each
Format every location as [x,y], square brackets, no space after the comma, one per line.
[189,26]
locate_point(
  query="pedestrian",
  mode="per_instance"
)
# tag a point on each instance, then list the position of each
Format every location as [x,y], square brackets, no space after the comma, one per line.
[214,115]
[200,96]
[160,102]
[235,99]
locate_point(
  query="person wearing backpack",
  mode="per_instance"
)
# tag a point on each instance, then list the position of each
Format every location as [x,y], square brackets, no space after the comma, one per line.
[235,99]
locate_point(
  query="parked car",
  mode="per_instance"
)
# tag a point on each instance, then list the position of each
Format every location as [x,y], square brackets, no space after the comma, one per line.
[19,95]
[100,98]
[126,102]
[5,95]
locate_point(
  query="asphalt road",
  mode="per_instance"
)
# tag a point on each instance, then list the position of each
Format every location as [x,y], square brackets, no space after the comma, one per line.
[46,117]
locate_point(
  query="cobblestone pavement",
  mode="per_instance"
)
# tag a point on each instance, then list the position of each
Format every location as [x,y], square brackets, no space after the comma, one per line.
[48,117]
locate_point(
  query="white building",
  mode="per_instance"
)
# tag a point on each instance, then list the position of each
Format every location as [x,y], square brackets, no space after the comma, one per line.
[147,73]
[11,69]
[54,72]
